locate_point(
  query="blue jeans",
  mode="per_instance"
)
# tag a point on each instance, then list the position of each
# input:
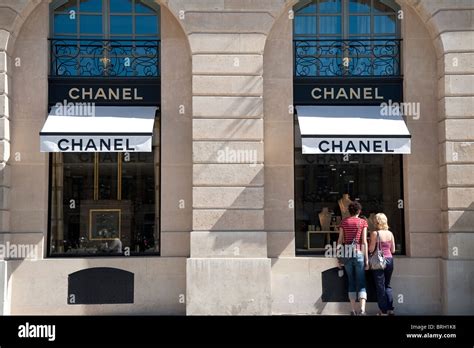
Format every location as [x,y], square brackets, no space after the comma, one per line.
[382,284]
[355,269]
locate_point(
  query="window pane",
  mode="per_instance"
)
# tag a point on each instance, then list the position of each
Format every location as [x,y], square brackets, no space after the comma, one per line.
[359,24]
[90,6]
[360,6]
[308,9]
[121,24]
[146,25]
[107,175]
[138,188]
[305,25]
[91,24]
[330,24]
[142,8]
[121,6]
[330,6]
[322,180]
[64,24]
[103,226]
[384,24]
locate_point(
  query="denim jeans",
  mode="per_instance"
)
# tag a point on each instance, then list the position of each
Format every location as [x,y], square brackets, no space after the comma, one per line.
[382,284]
[355,269]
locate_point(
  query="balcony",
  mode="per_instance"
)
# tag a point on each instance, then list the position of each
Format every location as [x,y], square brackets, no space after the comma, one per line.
[104,58]
[347,58]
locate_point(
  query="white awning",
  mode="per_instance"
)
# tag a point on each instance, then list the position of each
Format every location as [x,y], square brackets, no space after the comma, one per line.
[101,129]
[352,129]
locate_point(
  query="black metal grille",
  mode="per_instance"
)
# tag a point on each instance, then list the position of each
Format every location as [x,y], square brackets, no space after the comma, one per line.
[347,58]
[105,58]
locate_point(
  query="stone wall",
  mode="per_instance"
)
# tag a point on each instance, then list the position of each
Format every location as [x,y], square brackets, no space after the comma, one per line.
[451,27]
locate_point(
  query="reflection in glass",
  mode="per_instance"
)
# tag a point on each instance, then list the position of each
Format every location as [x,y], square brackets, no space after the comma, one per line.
[140,7]
[91,24]
[146,25]
[121,24]
[311,8]
[320,180]
[384,24]
[102,203]
[359,6]
[329,6]
[64,24]
[90,6]
[305,25]
[121,6]
[330,24]
[359,24]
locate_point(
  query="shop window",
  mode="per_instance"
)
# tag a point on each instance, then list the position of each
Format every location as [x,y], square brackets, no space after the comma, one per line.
[104,204]
[105,38]
[346,38]
[324,184]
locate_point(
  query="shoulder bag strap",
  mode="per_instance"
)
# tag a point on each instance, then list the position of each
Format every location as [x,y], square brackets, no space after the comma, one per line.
[354,241]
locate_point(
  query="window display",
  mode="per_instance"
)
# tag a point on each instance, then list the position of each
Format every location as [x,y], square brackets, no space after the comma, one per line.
[325,185]
[103,204]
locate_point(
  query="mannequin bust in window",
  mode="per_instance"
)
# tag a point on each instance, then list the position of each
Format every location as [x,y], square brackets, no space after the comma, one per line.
[344,205]
[325,219]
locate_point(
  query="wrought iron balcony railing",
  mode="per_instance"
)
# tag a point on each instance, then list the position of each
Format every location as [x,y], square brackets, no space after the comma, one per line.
[104,58]
[347,58]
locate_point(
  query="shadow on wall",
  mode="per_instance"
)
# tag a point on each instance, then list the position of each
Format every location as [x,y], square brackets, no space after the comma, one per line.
[465,222]
[335,288]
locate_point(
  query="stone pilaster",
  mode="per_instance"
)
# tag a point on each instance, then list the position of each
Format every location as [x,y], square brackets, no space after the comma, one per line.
[228,272]
[451,25]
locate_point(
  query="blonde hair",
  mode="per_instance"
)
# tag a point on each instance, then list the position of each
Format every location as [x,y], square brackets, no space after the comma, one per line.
[381,221]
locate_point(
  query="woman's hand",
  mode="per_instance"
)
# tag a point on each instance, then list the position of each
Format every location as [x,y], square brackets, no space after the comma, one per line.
[366,266]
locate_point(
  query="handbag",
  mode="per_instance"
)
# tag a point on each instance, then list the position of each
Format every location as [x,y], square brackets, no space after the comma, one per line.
[349,250]
[377,260]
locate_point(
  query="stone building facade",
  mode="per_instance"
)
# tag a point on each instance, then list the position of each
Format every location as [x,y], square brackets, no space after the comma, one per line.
[227,230]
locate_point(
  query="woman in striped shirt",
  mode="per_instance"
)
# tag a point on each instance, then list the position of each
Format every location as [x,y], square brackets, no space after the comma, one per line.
[354,229]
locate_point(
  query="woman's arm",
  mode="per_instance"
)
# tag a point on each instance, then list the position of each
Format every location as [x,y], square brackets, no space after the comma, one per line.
[340,240]
[373,241]
[365,247]
[392,249]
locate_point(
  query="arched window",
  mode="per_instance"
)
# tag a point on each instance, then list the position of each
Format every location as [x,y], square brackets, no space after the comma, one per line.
[105,38]
[347,38]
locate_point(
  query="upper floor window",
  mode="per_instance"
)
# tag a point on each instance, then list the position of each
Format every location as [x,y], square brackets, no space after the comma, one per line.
[105,38]
[347,38]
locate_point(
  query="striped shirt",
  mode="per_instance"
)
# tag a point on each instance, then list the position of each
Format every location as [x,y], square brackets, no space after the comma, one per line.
[353,227]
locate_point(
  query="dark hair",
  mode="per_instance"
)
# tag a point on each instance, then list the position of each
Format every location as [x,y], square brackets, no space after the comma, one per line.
[354,208]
